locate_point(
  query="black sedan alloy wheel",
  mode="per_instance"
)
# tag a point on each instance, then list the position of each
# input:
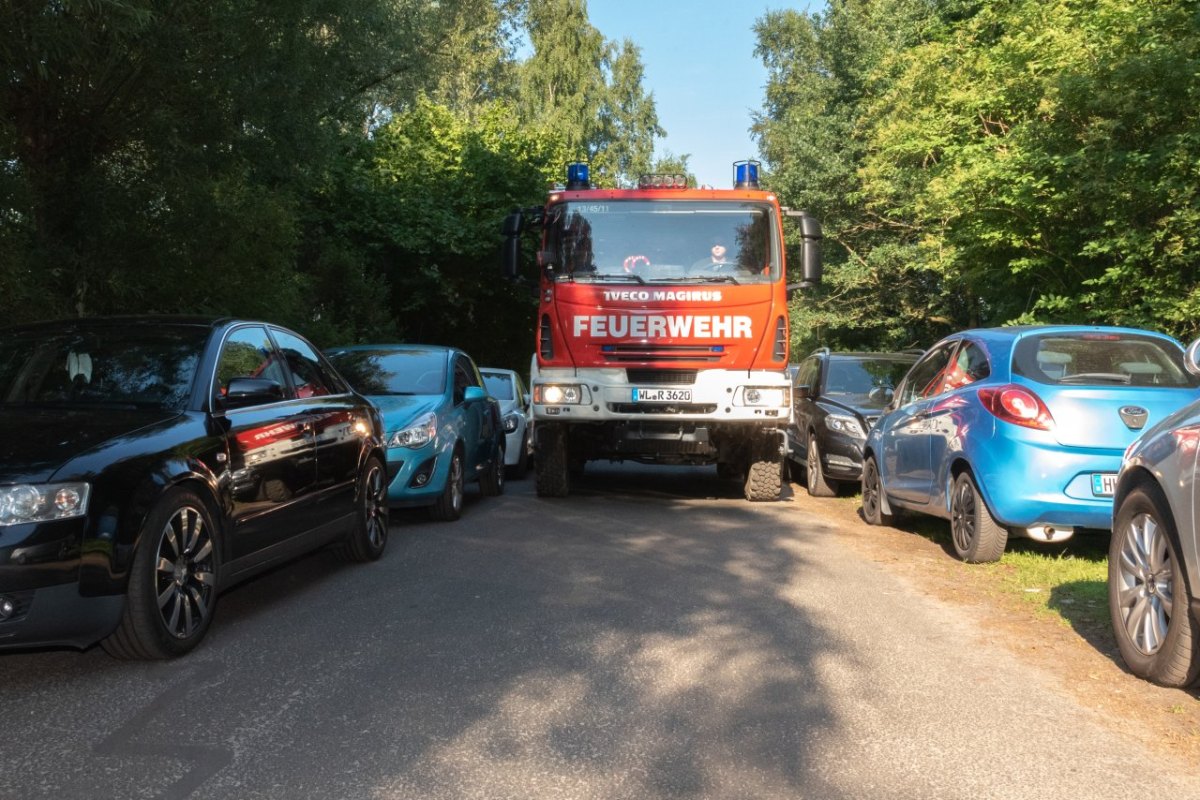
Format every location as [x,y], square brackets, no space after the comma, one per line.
[173,582]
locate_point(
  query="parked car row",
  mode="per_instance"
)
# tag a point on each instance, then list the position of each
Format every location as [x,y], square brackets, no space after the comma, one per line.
[1034,432]
[147,464]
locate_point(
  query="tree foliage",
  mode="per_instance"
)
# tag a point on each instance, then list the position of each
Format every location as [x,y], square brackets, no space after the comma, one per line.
[989,163]
[340,167]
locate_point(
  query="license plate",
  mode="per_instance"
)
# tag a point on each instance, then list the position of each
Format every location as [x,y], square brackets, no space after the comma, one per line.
[662,395]
[1104,483]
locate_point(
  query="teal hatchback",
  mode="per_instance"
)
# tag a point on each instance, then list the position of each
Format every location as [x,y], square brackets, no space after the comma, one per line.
[441,428]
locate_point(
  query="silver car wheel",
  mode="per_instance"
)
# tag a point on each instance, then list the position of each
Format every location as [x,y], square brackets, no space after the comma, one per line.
[1145,593]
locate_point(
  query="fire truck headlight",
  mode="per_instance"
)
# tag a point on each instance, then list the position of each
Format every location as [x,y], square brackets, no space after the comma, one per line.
[557,394]
[764,396]
[418,434]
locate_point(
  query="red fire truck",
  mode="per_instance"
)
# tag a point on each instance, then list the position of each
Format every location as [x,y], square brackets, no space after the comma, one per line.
[662,326]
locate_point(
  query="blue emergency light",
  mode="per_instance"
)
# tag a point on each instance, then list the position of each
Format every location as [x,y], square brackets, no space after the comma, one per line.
[745,175]
[577,175]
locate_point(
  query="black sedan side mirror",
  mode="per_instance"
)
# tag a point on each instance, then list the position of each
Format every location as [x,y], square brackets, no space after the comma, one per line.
[244,392]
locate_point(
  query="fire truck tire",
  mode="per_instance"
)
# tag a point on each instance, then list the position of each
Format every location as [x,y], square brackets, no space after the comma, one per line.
[764,480]
[552,465]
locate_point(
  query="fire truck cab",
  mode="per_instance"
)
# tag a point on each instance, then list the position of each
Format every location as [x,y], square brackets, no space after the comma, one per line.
[662,326]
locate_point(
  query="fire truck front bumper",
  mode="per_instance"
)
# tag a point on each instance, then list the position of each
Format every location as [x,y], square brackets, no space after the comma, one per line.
[716,395]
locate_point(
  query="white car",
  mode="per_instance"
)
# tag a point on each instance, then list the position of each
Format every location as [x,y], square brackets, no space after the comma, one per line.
[509,388]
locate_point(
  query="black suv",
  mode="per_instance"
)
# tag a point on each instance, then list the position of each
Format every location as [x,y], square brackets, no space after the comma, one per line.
[836,398]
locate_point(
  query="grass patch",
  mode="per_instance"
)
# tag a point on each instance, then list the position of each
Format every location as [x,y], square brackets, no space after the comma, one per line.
[1070,586]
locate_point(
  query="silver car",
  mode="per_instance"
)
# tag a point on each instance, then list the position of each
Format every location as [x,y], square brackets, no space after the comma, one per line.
[509,388]
[1153,559]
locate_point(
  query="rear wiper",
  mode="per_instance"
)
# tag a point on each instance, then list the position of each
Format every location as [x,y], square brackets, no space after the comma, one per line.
[1088,377]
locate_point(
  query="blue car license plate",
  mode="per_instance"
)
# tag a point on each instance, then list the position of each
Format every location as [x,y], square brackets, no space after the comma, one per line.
[1104,483]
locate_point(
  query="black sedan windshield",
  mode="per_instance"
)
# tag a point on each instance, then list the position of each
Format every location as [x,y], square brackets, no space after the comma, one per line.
[103,365]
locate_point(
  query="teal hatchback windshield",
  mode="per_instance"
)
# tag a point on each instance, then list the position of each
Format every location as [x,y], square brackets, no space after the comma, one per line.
[662,241]
[392,372]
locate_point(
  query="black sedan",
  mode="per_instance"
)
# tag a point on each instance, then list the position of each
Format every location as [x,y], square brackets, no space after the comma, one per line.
[148,463]
[836,398]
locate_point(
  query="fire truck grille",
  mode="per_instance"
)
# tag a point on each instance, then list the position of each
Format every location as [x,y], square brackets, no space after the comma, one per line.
[662,408]
[662,352]
[670,377]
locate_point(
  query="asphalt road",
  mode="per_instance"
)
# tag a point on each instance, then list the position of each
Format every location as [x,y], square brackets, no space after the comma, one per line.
[652,636]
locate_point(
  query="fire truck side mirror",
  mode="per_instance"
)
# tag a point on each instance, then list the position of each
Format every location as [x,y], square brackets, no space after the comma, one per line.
[810,249]
[511,229]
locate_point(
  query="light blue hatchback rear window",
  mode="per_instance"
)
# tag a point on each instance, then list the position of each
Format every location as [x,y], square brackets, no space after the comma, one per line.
[1101,359]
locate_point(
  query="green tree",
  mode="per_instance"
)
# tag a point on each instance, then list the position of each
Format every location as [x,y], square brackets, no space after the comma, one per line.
[1046,153]
[823,70]
[587,92]
[153,146]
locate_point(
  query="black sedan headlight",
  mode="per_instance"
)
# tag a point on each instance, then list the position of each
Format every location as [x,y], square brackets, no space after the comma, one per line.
[42,502]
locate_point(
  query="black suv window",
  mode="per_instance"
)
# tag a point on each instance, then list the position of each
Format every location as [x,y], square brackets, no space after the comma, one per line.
[863,380]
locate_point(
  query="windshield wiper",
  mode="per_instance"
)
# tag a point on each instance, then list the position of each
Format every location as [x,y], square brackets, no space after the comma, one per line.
[619,276]
[714,279]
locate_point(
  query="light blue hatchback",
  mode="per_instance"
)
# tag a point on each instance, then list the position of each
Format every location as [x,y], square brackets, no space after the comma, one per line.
[441,428]
[1020,431]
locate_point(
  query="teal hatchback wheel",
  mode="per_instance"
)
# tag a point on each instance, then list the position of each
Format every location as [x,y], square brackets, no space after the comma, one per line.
[449,504]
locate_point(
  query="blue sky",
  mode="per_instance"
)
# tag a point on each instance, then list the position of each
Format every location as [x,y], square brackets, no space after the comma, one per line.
[700,65]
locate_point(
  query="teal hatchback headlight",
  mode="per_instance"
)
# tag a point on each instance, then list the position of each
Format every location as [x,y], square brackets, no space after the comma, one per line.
[418,434]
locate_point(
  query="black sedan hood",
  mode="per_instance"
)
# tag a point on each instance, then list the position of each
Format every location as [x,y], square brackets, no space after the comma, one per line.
[856,409]
[36,442]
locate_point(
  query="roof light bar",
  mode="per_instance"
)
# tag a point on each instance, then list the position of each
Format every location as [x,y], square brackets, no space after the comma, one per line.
[661,181]
[745,174]
[577,176]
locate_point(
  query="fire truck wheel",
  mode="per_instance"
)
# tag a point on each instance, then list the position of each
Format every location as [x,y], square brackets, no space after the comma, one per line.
[551,467]
[764,480]
[491,482]
[450,502]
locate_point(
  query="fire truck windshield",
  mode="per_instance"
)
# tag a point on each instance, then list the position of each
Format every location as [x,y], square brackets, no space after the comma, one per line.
[662,241]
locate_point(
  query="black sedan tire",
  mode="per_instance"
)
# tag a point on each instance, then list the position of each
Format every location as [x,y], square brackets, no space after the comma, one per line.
[1148,595]
[872,495]
[172,592]
[369,537]
[974,532]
